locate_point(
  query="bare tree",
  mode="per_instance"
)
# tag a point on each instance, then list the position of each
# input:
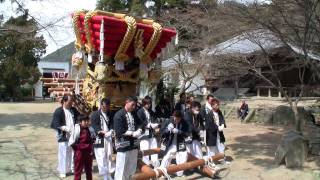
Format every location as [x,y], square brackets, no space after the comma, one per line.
[198,26]
[295,25]
[34,29]
[185,68]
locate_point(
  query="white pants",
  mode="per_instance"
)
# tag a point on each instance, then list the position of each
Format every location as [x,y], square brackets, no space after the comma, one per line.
[195,149]
[126,164]
[65,158]
[146,144]
[104,159]
[181,157]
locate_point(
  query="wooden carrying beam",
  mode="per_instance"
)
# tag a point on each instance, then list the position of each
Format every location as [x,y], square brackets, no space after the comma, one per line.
[149,152]
[60,80]
[204,169]
[148,173]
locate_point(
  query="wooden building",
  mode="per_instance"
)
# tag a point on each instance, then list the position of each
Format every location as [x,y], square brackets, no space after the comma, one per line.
[228,66]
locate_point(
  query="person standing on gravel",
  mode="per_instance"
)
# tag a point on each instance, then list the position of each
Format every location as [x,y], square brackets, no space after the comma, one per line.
[102,123]
[127,129]
[64,119]
[214,124]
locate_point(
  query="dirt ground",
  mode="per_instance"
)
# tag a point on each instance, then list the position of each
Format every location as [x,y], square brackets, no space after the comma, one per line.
[265,102]
[29,150]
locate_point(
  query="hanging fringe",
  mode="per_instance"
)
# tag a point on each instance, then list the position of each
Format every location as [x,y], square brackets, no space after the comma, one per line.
[77,88]
[101,41]
[143,71]
[90,58]
[176,40]
[100,71]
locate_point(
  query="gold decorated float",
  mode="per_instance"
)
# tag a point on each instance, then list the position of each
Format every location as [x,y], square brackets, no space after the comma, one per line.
[116,52]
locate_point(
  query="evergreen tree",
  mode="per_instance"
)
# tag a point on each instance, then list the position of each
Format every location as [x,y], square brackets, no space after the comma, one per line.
[137,8]
[19,54]
[113,5]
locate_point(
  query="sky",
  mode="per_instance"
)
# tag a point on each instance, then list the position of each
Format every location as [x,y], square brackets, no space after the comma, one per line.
[48,11]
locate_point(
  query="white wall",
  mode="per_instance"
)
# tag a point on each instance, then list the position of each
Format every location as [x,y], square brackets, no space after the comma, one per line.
[47,67]
[172,76]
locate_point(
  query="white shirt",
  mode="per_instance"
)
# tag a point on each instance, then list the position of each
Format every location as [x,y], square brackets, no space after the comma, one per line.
[68,118]
[216,117]
[105,127]
[130,122]
[208,106]
[147,114]
[175,136]
[104,115]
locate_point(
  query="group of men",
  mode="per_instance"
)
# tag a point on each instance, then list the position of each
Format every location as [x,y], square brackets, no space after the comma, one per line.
[131,128]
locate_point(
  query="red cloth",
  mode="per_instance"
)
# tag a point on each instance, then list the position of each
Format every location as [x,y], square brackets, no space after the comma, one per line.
[114,32]
[85,142]
[83,155]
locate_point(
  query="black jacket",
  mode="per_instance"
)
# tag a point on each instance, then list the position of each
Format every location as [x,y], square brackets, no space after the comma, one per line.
[180,106]
[212,128]
[125,143]
[195,123]
[59,120]
[222,121]
[167,136]
[96,118]
[143,119]
[163,111]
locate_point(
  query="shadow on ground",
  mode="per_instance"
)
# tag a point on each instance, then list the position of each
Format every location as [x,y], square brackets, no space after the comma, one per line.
[258,149]
[19,121]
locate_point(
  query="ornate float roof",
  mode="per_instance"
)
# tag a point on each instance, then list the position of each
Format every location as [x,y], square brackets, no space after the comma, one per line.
[124,36]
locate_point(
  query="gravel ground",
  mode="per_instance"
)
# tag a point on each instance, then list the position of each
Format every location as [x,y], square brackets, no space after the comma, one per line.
[29,150]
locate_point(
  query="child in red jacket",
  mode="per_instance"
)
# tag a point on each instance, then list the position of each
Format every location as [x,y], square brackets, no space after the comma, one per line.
[81,140]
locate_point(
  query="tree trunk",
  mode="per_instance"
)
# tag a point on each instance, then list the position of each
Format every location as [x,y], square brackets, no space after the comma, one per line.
[297,120]
[236,87]
[183,87]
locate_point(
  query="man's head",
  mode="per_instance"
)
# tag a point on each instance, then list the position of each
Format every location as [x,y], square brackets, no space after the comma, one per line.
[215,104]
[210,97]
[191,98]
[183,97]
[147,102]
[195,107]
[130,104]
[84,121]
[67,101]
[105,105]
[188,104]
[243,102]
[177,116]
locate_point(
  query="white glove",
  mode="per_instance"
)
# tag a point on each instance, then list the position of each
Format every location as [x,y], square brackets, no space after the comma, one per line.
[66,129]
[148,125]
[128,133]
[175,131]
[170,127]
[137,133]
[108,134]
[154,125]
[217,122]
[188,139]
[220,128]
[201,133]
